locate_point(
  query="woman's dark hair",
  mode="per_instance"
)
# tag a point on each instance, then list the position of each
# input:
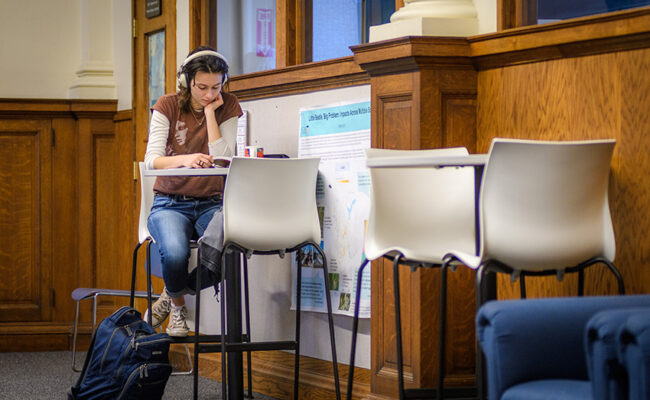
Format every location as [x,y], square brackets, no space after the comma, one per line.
[207,63]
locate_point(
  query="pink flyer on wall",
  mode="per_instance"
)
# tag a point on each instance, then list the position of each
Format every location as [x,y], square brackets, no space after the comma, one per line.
[264,45]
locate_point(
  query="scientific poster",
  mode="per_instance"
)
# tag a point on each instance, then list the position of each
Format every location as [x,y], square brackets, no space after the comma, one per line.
[338,134]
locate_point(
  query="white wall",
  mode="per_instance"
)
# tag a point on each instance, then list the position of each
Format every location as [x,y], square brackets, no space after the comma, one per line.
[274,124]
[182,31]
[122,60]
[486,12]
[40,47]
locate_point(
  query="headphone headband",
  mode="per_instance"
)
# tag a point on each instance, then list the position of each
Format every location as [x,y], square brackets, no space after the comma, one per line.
[203,53]
[183,76]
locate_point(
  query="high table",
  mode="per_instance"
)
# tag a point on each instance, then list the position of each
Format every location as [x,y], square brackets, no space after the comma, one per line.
[478,161]
[233,304]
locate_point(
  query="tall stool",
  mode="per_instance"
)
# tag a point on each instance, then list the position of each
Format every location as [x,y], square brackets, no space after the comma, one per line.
[417,215]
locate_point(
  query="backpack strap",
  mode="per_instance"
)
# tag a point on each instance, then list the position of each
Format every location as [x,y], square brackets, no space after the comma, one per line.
[72,393]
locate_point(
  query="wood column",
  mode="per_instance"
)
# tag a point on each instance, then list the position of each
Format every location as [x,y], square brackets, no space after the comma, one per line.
[423,95]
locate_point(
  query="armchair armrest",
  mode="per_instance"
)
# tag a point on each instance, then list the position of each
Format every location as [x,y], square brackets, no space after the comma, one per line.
[634,353]
[607,374]
[539,339]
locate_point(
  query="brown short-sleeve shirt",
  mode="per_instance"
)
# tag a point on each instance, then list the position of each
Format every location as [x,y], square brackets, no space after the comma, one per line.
[187,136]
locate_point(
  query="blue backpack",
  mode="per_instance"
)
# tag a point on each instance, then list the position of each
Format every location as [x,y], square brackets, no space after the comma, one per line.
[127,359]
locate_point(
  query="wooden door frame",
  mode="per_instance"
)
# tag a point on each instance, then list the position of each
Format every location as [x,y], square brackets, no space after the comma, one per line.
[142,28]
[516,13]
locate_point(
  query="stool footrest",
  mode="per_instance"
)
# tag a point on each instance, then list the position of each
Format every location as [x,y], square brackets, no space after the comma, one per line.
[450,393]
[202,339]
[242,347]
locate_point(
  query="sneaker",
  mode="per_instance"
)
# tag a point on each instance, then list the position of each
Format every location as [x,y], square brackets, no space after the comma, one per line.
[159,310]
[177,325]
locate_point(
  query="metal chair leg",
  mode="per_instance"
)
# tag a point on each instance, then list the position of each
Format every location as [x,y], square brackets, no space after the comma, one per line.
[197,329]
[398,329]
[355,328]
[92,330]
[133,273]
[248,328]
[296,363]
[74,338]
[480,371]
[224,355]
[443,320]
[147,264]
[330,319]
[617,275]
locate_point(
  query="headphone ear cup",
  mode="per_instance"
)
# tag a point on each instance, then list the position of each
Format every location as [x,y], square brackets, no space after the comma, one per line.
[182,82]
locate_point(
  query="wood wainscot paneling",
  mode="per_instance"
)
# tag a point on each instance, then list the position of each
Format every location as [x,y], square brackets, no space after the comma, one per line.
[68,212]
[580,79]
[322,75]
[423,95]
[25,220]
[591,97]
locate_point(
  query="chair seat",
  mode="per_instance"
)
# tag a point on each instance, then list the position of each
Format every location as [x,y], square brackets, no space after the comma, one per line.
[547,389]
[83,293]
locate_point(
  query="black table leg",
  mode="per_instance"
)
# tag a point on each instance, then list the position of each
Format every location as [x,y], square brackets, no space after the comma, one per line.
[234,319]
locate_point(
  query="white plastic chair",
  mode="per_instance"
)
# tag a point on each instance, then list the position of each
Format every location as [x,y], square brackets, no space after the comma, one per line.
[544,210]
[79,294]
[153,264]
[270,208]
[417,215]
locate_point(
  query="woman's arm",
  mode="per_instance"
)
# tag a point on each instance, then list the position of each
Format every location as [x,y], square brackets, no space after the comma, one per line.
[155,156]
[158,133]
[226,145]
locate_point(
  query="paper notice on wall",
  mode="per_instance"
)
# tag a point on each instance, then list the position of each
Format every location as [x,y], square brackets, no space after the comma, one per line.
[338,134]
[264,45]
[242,133]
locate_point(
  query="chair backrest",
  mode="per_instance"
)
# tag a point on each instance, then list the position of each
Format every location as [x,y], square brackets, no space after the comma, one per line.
[420,212]
[544,205]
[146,200]
[270,204]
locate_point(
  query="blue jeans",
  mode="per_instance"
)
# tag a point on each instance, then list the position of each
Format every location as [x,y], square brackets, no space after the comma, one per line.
[172,223]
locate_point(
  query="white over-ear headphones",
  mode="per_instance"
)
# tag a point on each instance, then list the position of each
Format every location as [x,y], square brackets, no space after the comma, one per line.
[183,79]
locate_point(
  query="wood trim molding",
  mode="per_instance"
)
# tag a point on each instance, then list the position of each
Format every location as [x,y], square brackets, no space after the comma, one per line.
[47,108]
[298,79]
[412,53]
[285,36]
[35,328]
[196,16]
[623,30]
[123,115]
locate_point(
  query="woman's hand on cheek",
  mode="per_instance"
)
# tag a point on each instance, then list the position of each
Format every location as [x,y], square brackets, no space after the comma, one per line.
[216,103]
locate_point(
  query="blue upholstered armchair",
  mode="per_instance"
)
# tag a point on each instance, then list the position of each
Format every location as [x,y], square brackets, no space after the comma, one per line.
[566,348]
[634,353]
